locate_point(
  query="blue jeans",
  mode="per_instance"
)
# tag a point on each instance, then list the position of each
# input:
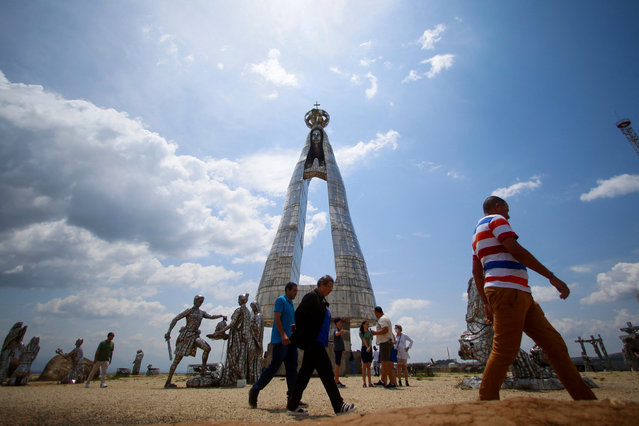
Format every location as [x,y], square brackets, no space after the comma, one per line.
[286,354]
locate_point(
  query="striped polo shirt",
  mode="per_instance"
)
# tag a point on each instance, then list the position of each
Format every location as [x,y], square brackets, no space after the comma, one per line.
[501,269]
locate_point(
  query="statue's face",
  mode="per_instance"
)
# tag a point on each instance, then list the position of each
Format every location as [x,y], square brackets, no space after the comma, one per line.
[316,135]
[198,300]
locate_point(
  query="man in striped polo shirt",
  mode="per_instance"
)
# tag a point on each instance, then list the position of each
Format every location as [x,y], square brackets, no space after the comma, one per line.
[501,277]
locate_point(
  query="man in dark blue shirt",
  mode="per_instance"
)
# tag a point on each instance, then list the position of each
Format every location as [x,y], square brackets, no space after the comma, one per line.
[312,325]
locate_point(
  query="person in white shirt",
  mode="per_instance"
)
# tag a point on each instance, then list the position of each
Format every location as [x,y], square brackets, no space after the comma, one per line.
[376,361]
[403,344]
[385,341]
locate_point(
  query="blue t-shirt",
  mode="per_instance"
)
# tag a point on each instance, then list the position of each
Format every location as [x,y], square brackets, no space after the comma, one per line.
[285,306]
[322,337]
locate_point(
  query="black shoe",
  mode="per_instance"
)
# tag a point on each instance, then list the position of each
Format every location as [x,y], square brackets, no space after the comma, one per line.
[400,383]
[391,386]
[380,383]
[340,385]
[253,397]
[407,383]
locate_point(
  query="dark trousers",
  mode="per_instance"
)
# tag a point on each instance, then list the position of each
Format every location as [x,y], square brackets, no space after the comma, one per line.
[286,354]
[316,358]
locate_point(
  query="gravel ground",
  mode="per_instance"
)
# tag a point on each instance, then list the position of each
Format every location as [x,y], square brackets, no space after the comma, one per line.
[143,400]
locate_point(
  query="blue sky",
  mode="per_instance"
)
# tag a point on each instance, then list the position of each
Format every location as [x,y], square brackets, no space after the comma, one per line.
[147,146]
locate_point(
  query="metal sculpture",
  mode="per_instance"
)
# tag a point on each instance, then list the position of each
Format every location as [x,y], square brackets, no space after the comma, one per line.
[20,376]
[255,346]
[11,348]
[236,365]
[477,342]
[137,362]
[189,338]
[353,298]
[630,342]
[76,356]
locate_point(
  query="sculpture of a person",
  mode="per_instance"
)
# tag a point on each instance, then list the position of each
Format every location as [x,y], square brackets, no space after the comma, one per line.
[189,338]
[137,362]
[11,348]
[236,365]
[255,347]
[76,356]
[316,149]
[20,377]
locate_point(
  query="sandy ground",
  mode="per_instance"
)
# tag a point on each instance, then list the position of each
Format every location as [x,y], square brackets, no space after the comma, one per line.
[436,400]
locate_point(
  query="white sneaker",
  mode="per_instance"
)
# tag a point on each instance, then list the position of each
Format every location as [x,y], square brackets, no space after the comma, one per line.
[346,408]
[103,385]
[299,411]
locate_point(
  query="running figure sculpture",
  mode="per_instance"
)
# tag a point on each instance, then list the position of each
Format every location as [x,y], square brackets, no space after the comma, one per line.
[189,338]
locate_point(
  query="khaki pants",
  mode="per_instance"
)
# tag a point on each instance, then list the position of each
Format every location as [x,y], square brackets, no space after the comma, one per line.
[103,365]
[515,312]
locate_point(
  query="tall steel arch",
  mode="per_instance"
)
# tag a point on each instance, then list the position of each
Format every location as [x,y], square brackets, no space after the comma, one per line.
[353,297]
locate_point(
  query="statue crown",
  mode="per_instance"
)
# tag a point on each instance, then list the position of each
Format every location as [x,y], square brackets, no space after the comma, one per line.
[316,117]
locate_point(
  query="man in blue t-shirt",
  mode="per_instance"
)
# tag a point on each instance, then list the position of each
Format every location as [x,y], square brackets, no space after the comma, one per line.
[283,350]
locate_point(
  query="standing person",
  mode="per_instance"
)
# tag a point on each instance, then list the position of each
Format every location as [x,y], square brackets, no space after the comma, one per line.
[499,271]
[376,360]
[402,353]
[385,340]
[338,348]
[312,325]
[102,359]
[283,350]
[367,352]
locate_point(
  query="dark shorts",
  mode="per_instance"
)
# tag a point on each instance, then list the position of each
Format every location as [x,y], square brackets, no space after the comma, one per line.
[367,357]
[385,351]
[338,357]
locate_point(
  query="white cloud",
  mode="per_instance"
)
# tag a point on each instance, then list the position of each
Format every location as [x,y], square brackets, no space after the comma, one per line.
[581,268]
[412,76]
[220,66]
[272,96]
[350,155]
[168,48]
[430,167]
[432,36]
[438,63]
[621,282]
[624,316]
[518,188]
[548,293]
[80,177]
[314,226]
[404,306]
[613,187]
[272,71]
[366,61]
[100,303]
[355,79]
[366,44]
[371,91]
